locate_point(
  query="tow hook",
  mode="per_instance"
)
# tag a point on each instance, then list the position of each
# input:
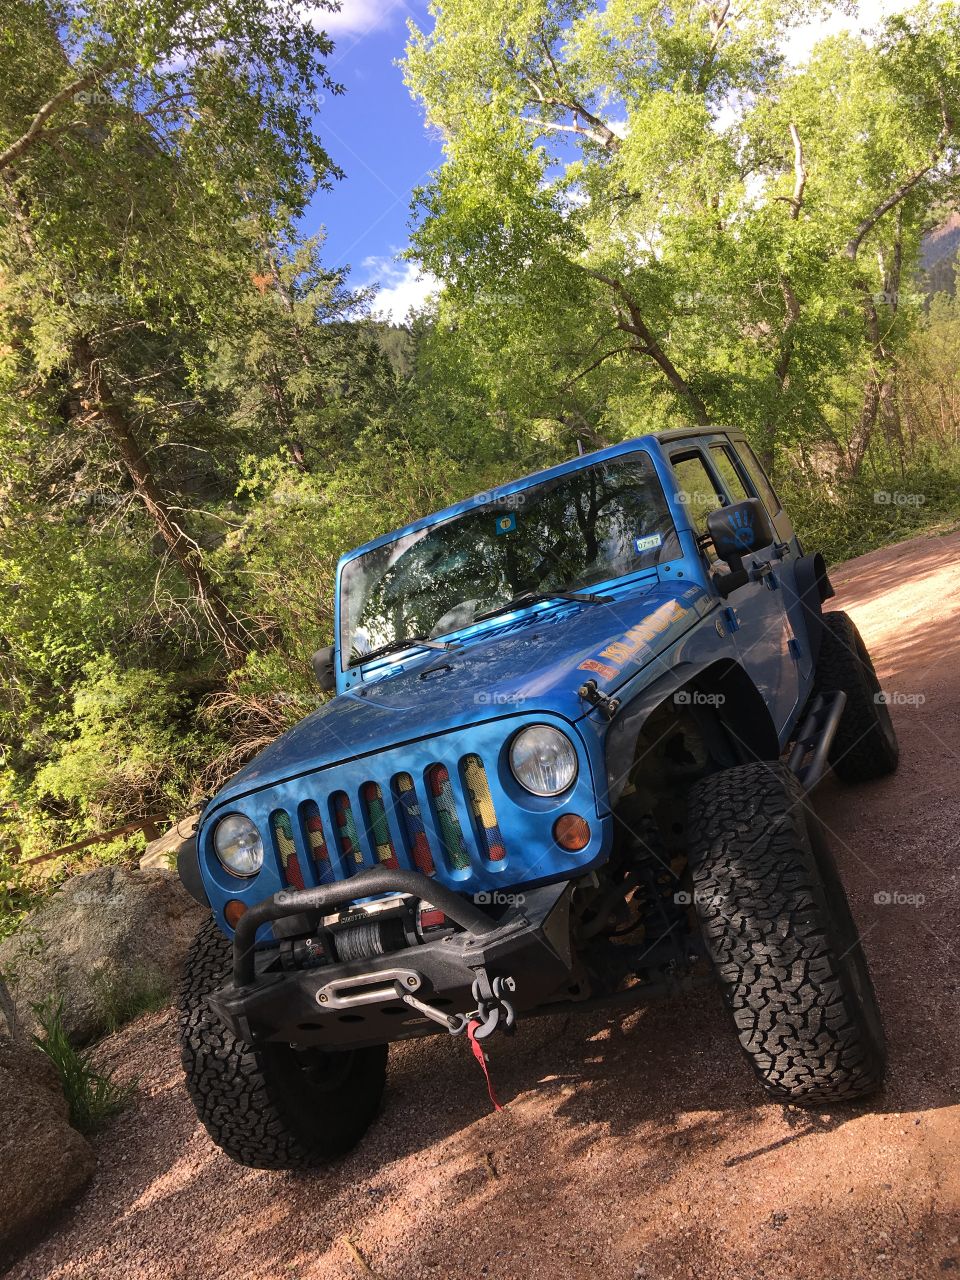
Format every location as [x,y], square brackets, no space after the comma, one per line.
[493,1008]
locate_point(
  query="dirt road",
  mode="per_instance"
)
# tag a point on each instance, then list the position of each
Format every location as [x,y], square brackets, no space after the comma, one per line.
[632,1146]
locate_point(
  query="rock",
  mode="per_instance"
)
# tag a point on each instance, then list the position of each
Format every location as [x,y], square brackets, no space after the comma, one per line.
[109,944]
[163,852]
[44,1163]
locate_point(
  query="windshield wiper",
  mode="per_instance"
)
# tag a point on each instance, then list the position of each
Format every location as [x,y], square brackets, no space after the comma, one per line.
[525,597]
[537,597]
[408,642]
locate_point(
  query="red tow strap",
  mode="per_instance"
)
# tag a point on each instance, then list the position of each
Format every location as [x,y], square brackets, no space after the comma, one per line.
[481,1057]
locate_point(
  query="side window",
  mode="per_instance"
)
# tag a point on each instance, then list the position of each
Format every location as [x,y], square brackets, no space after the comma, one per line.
[698,492]
[758,478]
[722,459]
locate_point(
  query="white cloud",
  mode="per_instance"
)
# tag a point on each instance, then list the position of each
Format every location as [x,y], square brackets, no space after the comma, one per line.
[867,15]
[400,287]
[358,17]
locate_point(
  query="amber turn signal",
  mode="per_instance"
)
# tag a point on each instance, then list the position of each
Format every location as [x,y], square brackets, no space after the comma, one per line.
[571,832]
[233,911]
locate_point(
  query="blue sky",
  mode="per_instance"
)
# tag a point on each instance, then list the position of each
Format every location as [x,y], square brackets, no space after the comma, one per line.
[376,133]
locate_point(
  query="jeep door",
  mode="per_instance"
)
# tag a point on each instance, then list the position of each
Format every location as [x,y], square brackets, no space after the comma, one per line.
[710,474]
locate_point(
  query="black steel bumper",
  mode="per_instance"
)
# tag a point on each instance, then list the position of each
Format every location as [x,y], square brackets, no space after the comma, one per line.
[358,1002]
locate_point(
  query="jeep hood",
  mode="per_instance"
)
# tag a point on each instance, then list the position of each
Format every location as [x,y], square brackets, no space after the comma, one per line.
[532,663]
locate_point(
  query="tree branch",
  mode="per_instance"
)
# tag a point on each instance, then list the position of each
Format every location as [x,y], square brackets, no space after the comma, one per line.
[607,137]
[718,24]
[595,136]
[634,323]
[607,355]
[799,172]
[35,131]
[870,221]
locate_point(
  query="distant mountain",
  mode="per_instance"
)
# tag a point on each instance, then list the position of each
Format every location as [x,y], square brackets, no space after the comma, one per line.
[938,256]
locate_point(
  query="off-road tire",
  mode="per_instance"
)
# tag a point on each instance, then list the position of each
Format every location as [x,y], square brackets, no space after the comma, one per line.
[865,746]
[271,1107]
[781,937]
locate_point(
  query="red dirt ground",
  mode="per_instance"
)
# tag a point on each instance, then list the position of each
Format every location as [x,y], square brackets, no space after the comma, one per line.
[632,1146]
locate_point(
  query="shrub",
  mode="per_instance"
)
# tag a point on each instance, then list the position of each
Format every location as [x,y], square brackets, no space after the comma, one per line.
[135,747]
[93,1096]
[18,895]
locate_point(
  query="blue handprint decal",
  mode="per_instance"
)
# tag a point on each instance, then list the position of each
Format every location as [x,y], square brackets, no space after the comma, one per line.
[741,526]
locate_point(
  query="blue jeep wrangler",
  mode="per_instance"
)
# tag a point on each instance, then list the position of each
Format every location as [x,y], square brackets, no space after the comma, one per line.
[568,763]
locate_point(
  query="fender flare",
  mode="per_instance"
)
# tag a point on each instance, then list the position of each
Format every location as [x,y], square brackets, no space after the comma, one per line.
[742,712]
[813,586]
[188,869]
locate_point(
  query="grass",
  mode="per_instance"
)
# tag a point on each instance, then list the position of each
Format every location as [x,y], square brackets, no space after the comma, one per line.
[123,998]
[93,1096]
[844,519]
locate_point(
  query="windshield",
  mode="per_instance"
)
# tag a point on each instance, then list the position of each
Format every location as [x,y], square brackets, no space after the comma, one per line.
[587,526]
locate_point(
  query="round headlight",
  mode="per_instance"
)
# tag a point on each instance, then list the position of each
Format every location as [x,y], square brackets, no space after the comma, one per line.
[543,760]
[238,845]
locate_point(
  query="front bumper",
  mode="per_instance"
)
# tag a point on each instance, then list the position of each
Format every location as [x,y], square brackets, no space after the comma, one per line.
[355,1003]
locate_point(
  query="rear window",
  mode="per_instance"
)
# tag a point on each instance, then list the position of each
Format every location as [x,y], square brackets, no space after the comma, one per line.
[758,477]
[723,461]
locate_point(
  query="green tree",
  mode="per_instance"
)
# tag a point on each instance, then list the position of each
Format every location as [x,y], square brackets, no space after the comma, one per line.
[145,151]
[644,216]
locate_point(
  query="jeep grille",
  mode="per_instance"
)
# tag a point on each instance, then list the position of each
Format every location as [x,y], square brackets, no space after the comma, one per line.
[331,825]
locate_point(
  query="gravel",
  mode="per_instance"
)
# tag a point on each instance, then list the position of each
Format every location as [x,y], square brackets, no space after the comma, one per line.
[632,1146]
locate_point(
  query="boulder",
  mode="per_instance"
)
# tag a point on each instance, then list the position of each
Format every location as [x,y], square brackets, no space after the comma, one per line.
[44,1163]
[163,851]
[108,945]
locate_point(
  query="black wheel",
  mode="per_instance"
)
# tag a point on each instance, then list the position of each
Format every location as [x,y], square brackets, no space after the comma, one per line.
[783,942]
[865,746]
[273,1107]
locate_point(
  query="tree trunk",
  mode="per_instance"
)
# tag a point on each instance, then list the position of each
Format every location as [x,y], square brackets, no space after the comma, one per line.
[183,549]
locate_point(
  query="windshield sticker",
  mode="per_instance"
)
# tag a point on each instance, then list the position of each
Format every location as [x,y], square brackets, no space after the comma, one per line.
[601,668]
[650,543]
[507,523]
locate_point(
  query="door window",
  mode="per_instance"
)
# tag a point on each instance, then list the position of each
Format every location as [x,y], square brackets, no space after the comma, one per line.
[698,492]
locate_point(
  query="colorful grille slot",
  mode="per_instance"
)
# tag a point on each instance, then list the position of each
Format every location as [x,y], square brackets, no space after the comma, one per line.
[417,843]
[347,828]
[313,825]
[283,837]
[448,824]
[378,826]
[482,808]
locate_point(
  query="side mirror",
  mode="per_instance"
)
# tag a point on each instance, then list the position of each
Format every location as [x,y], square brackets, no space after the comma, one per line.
[739,529]
[322,662]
